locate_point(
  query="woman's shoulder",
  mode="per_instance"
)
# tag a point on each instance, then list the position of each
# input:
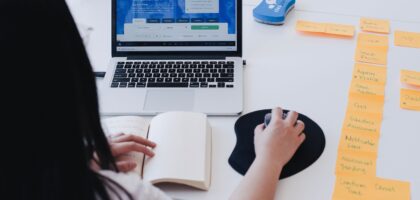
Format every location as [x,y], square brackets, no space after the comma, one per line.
[136,187]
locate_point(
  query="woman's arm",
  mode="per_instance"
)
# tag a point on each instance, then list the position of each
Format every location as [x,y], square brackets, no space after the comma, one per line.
[274,147]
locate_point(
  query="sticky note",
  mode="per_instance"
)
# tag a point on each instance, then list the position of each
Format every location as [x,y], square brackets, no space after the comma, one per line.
[371,55]
[307,26]
[356,142]
[386,189]
[365,105]
[339,29]
[372,40]
[369,73]
[374,25]
[364,123]
[410,99]
[325,28]
[407,39]
[410,77]
[364,88]
[351,187]
[357,164]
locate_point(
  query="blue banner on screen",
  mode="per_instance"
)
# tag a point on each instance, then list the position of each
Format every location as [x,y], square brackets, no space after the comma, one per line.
[176,25]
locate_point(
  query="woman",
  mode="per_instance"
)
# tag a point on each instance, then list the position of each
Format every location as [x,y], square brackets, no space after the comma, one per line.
[59,150]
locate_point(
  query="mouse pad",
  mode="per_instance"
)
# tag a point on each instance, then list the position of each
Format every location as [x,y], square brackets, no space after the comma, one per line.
[243,154]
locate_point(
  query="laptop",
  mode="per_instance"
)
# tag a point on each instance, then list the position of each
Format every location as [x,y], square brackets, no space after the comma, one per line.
[174,55]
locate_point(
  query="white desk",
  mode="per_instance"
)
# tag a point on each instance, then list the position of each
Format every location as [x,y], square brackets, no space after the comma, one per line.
[305,73]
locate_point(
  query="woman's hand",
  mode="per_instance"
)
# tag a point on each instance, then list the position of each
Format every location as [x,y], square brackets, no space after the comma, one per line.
[279,141]
[122,144]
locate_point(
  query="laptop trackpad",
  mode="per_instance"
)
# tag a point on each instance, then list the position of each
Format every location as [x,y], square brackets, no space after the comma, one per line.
[169,100]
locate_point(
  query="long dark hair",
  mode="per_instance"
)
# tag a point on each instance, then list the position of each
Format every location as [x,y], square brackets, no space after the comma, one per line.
[51,106]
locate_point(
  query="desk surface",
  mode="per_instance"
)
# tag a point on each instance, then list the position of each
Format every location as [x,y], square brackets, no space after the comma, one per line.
[305,73]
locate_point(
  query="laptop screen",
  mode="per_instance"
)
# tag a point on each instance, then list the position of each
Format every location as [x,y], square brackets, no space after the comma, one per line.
[176,25]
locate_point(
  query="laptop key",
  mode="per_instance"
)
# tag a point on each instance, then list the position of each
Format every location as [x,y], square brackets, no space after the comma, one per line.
[228,66]
[230,70]
[230,62]
[121,63]
[212,86]
[221,85]
[131,85]
[151,80]
[120,66]
[229,86]
[168,79]
[194,85]
[185,80]
[177,80]
[203,85]
[194,79]
[182,75]
[132,75]
[134,79]
[122,80]
[229,75]
[130,70]
[161,85]
[114,85]
[143,80]
[210,79]
[202,79]
[159,80]
[120,75]
[141,85]
[140,75]
[207,75]
[122,85]
[224,79]
[148,75]
[164,75]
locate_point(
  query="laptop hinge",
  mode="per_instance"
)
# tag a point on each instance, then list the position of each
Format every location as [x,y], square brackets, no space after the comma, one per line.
[183,57]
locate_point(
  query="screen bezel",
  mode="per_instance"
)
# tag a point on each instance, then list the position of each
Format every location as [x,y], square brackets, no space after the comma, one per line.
[237,53]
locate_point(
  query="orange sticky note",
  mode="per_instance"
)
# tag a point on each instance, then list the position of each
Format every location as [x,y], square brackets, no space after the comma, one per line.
[386,189]
[371,55]
[372,40]
[410,77]
[355,164]
[339,29]
[407,39]
[351,187]
[410,99]
[364,88]
[369,73]
[307,26]
[356,142]
[365,105]
[364,123]
[374,25]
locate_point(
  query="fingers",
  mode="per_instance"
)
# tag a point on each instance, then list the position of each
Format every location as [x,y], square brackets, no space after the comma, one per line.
[126,147]
[126,166]
[291,118]
[259,129]
[134,138]
[300,126]
[302,138]
[276,114]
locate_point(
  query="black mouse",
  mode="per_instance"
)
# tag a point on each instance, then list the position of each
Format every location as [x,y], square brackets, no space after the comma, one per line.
[244,154]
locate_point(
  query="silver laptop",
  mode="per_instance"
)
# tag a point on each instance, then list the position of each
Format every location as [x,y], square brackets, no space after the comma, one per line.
[168,55]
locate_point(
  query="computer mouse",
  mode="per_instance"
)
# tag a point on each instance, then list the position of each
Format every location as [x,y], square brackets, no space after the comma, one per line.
[243,153]
[273,11]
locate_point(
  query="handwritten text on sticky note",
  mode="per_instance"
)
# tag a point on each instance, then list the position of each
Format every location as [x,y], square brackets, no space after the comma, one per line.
[355,164]
[371,55]
[356,142]
[369,73]
[367,123]
[372,40]
[374,25]
[407,39]
[410,77]
[410,99]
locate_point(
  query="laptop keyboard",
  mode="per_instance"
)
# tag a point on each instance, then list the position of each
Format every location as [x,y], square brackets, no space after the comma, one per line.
[174,74]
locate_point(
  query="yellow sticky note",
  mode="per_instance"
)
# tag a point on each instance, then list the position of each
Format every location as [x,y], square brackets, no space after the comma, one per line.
[339,29]
[407,39]
[369,73]
[386,189]
[356,142]
[351,187]
[374,25]
[364,88]
[365,105]
[410,77]
[307,26]
[355,164]
[371,55]
[372,40]
[410,99]
[364,123]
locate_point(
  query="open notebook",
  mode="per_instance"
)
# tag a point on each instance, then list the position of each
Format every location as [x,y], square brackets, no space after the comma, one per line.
[183,151]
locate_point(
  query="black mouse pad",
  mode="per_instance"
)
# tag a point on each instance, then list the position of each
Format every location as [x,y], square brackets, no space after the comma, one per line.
[244,154]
